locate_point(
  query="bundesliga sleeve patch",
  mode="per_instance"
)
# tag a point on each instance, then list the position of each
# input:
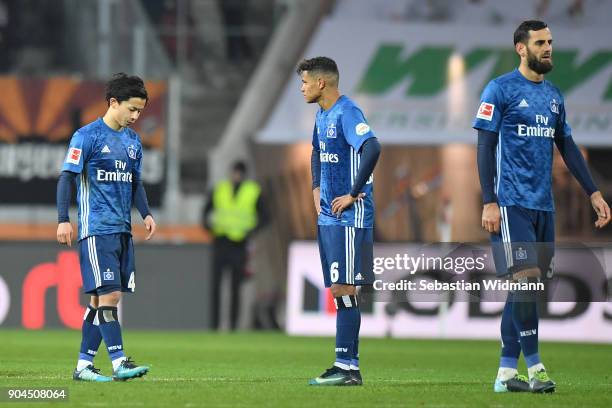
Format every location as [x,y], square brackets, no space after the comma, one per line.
[361,129]
[485,111]
[74,156]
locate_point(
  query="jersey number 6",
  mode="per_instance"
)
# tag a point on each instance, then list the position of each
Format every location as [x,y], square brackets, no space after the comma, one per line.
[333,272]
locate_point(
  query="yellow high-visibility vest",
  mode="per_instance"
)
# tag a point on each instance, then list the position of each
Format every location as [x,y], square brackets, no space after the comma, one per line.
[235,215]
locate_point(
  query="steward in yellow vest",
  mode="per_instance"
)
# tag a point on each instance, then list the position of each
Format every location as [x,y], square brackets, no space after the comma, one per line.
[233,212]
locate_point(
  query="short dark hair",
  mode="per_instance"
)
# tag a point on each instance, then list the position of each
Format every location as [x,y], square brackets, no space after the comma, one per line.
[521,34]
[240,166]
[323,65]
[123,87]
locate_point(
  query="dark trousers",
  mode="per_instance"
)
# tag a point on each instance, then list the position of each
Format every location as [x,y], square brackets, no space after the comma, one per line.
[227,255]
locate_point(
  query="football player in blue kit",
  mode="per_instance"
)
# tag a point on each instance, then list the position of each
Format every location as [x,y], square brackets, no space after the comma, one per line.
[521,116]
[105,160]
[344,154]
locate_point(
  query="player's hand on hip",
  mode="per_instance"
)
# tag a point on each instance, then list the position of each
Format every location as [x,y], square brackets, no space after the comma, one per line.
[601,209]
[491,217]
[150,225]
[64,233]
[341,203]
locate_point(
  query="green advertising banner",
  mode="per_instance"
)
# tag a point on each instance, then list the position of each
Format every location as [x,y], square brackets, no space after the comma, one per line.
[420,84]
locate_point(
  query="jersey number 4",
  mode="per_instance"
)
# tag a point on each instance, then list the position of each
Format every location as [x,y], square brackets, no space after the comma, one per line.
[132,282]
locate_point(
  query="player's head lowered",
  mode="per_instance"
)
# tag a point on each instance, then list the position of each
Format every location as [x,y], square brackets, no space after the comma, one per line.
[127,97]
[533,43]
[318,74]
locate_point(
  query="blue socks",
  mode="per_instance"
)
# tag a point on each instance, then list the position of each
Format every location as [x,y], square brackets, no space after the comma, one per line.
[90,339]
[511,347]
[348,319]
[519,332]
[525,317]
[111,331]
[355,357]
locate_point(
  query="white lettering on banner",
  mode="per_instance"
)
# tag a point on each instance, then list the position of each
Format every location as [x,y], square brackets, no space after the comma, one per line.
[460,321]
[26,161]
[5,300]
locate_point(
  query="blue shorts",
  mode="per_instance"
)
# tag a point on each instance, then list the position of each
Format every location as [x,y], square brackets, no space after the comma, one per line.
[526,240]
[107,263]
[347,255]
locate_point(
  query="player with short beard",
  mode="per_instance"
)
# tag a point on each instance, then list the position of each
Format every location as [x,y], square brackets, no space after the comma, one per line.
[520,116]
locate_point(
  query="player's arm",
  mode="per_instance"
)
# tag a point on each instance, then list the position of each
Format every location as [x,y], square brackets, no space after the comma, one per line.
[487,122]
[577,166]
[315,171]
[63,196]
[139,198]
[370,152]
[360,136]
[78,153]
[485,157]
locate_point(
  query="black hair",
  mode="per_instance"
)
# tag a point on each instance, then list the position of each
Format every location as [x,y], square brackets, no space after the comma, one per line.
[240,167]
[323,65]
[123,87]
[521,34]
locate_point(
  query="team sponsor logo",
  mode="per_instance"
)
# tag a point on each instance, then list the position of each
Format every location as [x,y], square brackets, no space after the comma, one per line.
[554,106]
[520,254]
[118,175]
[74,156]
[485,111]
[132,151]
[327,157]
[331,131]
[541,129]
[362,128]
[108,275]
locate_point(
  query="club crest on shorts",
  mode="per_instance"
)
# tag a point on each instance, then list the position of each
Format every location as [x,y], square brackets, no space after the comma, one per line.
[108,275]
[520,254]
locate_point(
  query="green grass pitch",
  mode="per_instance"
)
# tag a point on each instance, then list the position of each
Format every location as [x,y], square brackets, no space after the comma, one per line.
[200,369]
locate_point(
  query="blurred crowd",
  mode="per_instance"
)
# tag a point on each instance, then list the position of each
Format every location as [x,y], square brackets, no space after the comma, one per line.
[29,35]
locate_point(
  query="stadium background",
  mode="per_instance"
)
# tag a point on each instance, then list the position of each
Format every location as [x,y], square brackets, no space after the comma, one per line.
[222,86]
